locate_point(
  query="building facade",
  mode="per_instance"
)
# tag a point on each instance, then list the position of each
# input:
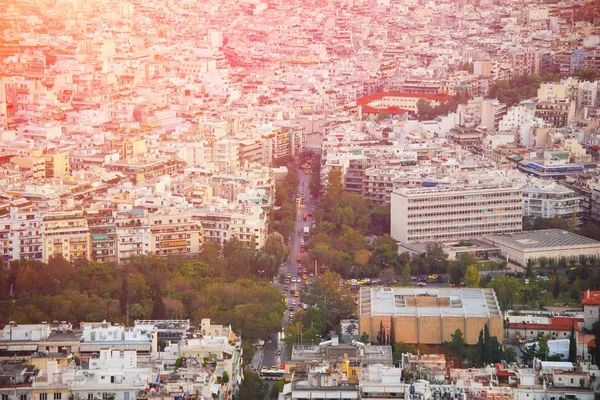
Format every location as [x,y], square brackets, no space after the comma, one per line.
[455,213]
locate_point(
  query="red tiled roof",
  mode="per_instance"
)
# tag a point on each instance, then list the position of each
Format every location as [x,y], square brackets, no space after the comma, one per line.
[591,298]
[378,96]
[556,324]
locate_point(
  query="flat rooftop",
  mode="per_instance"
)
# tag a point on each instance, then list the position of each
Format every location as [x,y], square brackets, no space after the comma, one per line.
[408,301]
[542,239]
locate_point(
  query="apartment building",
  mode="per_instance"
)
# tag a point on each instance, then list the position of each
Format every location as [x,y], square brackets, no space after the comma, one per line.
[21,235]
[455,212]
[378,184]
[355,174]
[524,62]
[66,234]
[492,112]
[221,224]
[140,170]
[556,113]
[133,231]
[251,152]
[103,234]
[550,200]
[175,233]
[225,156]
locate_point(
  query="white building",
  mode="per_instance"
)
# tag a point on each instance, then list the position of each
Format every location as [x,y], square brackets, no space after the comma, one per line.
[548,199]
[455,212]
[21,235]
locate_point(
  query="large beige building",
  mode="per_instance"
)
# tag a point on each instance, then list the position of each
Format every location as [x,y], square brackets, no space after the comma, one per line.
[429,316]
[550,243]
[455,212]
[66,234]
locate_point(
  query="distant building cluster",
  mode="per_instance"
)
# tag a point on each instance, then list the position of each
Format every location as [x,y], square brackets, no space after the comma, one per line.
[106,361]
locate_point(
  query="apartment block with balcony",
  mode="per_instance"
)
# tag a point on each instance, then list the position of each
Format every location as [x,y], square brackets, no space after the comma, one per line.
[133,231]
[21,235]
[103,234]
[550,200]
[175,234]
[455,212]
[66,234]
[354,175]
[221,224]
[378,184]
[225,156]
[556,113]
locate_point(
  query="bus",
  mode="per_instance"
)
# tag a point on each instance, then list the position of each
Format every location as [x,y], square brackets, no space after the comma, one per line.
[272,375]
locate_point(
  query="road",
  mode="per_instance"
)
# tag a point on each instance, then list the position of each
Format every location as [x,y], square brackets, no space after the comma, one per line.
[274,352]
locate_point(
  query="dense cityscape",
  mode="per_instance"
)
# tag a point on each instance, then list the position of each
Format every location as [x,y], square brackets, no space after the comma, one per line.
[290,200]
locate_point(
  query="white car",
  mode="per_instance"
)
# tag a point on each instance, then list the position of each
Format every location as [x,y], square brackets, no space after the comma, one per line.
[422,284]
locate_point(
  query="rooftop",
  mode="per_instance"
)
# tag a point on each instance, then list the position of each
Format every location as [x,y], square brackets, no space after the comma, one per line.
[548,238]
[429,302]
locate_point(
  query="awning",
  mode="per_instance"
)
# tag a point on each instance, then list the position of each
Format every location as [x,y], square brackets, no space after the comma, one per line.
[30,347]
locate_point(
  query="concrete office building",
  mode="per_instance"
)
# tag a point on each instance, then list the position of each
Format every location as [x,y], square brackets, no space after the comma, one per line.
[551,243]
[455,212]
[429,316]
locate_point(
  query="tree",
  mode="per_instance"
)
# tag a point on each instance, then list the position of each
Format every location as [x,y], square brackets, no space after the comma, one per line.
[326,295]
[158,308]
[364,338]
[252,387]
[405,274]
[457,346]
[275,246]
[572,344]
[178,363]
[225,377]
[472,276]
[507,290]
[528,353]
[381,334]
[388,276]
[402,348]
[276,389]
[436,258]
[543,350]
[556,287]
[529,270]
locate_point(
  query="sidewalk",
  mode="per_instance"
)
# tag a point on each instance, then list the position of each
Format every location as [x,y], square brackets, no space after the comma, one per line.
[257,360]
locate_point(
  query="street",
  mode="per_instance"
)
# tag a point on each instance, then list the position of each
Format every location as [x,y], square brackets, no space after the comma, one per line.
[274,352]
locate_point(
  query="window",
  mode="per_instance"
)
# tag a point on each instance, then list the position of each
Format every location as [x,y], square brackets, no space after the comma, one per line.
[4,397]
[57,396]
[23,397]
[43,396]
[90,396]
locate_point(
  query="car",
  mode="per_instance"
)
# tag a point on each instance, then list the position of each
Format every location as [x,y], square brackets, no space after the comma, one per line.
[264,368]
[294,301]
[311,274]
[310,214]
[286,288]
[422,284]
[292,314]
[291,308]
[304,277]
[292,291]
[296,294]
[298,258]
[273,368]
[286,281]
[289,276]
[278,352]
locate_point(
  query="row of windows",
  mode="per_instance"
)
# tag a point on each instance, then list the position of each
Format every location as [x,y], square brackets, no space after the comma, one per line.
[457,235]
[469,196]
[474,227]
[465,212]
[465,205]
[448,221]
